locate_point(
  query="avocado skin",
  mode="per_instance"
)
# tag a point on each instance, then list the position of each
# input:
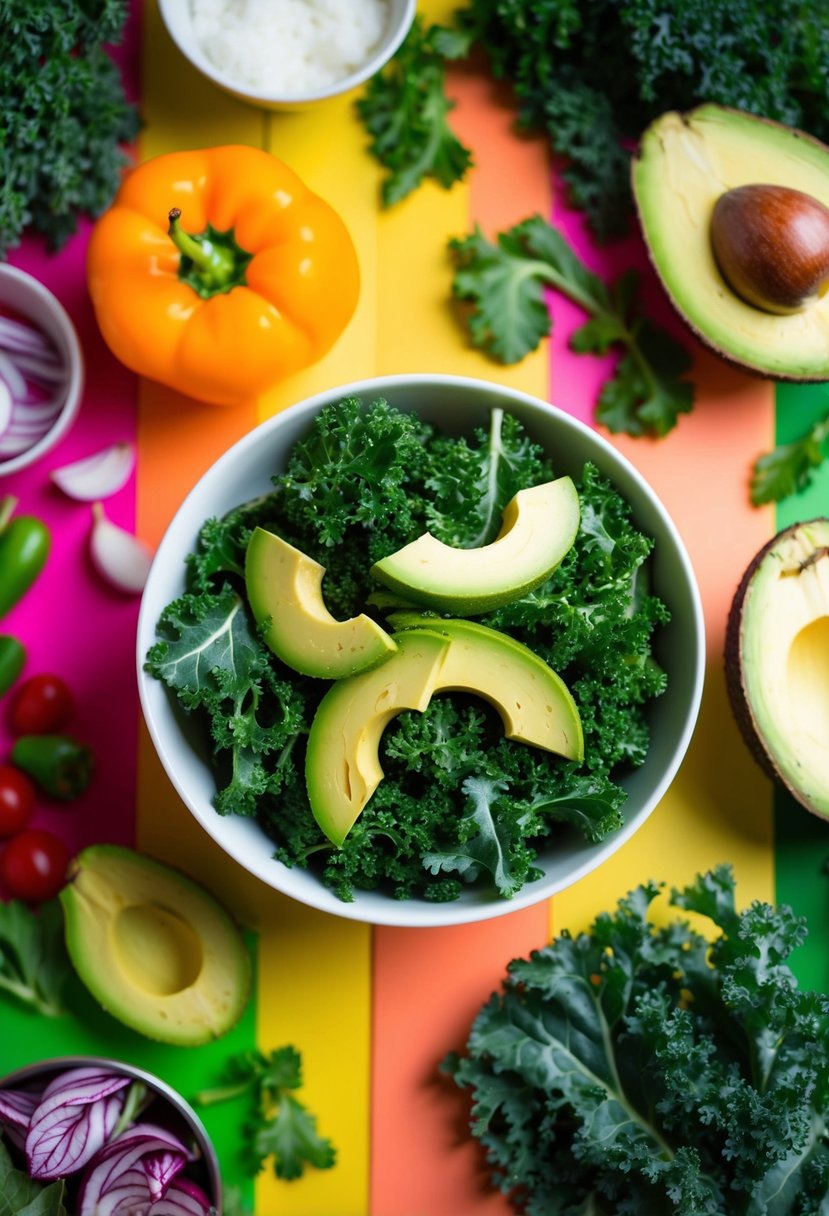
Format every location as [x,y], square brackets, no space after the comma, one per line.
[735,687]
[759,372]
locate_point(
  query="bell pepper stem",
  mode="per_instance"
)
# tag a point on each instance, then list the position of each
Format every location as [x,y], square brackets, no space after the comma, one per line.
[214,263]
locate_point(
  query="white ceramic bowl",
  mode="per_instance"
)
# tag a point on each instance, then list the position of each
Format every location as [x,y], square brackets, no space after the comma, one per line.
[28,297]
[456,404]
[177,17]
[183,1121]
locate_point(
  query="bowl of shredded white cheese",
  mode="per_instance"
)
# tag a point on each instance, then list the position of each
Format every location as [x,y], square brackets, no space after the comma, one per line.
[285,54]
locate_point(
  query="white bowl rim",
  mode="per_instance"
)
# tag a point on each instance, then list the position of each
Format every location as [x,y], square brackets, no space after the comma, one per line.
[423,913]
[74,363]
[192,51]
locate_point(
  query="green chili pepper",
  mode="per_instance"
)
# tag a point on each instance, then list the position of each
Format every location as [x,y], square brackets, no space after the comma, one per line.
[12,658]
[59,764]
[24,547]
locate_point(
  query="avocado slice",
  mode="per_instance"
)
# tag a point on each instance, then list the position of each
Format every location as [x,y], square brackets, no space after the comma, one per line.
[342,767]
[777,661]
[684,164]
[154,948]
[284,589]
[538,528]
[511,677]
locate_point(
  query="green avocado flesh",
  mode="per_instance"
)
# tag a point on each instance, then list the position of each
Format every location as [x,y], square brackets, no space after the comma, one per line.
[284,589]
[684,163]
[780,628]
[342,765]
[538,528]
[154,948]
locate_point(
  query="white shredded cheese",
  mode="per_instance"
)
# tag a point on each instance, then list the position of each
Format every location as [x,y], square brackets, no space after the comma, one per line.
[289,48]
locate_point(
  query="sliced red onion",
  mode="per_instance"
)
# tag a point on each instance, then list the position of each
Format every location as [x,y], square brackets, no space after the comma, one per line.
[184,1198]
[116,1177]
[14,378]
[160,1168]
[5,407]
[76,1116]
[97,476]
[17,336]
[41,369]
[16,1109]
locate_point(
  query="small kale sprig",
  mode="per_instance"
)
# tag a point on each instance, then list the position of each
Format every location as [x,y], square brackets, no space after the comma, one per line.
[637,1068]
[281,1128]
[789,467]
[34,965]
[405,110]
[505,284]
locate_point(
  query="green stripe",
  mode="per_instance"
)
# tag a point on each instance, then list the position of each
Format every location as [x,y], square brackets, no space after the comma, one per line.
[28,1037]
[801,839]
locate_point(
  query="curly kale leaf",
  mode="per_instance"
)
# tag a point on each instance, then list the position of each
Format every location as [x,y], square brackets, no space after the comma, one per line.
[471,484]
[505,283]
[642,1069]
[405,111]
[354,468]
[65,116]
[209,654]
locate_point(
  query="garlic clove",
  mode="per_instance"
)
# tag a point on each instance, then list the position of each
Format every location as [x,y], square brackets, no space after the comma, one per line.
[118,556]
[97,476]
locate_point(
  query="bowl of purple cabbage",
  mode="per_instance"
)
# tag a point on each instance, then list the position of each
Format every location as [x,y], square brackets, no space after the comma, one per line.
[84,1136]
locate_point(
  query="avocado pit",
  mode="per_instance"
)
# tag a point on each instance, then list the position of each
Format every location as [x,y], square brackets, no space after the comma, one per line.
[771,244]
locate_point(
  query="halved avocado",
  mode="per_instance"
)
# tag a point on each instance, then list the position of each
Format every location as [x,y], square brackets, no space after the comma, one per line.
[777,661]
[284,588]
[684,164]
[342,767]
[535,704]
[538,528]
[154,948]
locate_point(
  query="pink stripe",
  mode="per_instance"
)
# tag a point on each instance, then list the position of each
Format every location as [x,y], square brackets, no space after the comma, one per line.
[70,622]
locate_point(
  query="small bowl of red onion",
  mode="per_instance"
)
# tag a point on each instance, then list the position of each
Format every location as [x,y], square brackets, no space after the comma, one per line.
[112,1137]
[41,370]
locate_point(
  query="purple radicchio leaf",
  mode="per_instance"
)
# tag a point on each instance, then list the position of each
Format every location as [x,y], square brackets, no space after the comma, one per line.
[16,1109]
[75,1117]
[116,1182]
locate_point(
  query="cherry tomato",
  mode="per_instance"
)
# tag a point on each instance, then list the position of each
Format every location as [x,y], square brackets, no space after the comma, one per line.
[33,865]
[17,800]
[41,705]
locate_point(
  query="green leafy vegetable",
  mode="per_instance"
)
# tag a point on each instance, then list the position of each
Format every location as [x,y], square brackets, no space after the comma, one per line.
[637,1069]
[459,803]
[505,283]
[405,111]
[789,467]
[34,965]
[280,1127]
[21,1195]
[593,76]
[64,115]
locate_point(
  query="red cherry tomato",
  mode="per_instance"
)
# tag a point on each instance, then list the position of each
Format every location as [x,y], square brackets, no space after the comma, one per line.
[17,800]
[42,705]
[33,865]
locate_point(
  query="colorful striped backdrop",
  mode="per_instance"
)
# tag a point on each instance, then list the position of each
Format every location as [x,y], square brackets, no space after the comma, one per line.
[374,1011]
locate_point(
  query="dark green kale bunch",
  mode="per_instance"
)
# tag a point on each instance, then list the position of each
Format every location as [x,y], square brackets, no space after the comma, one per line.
[593,74]
[459,803]
[65,117]
[637,1070]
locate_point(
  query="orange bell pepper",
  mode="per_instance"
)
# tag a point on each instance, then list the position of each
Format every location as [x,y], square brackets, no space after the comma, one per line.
[218,273]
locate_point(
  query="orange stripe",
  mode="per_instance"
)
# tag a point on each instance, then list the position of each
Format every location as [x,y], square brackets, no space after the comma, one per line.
[428,984]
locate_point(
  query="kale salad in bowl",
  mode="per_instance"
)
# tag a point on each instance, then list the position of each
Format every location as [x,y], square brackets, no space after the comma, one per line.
[421,650]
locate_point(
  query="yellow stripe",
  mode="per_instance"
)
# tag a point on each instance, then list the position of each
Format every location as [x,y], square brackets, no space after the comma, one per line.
[315,970]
